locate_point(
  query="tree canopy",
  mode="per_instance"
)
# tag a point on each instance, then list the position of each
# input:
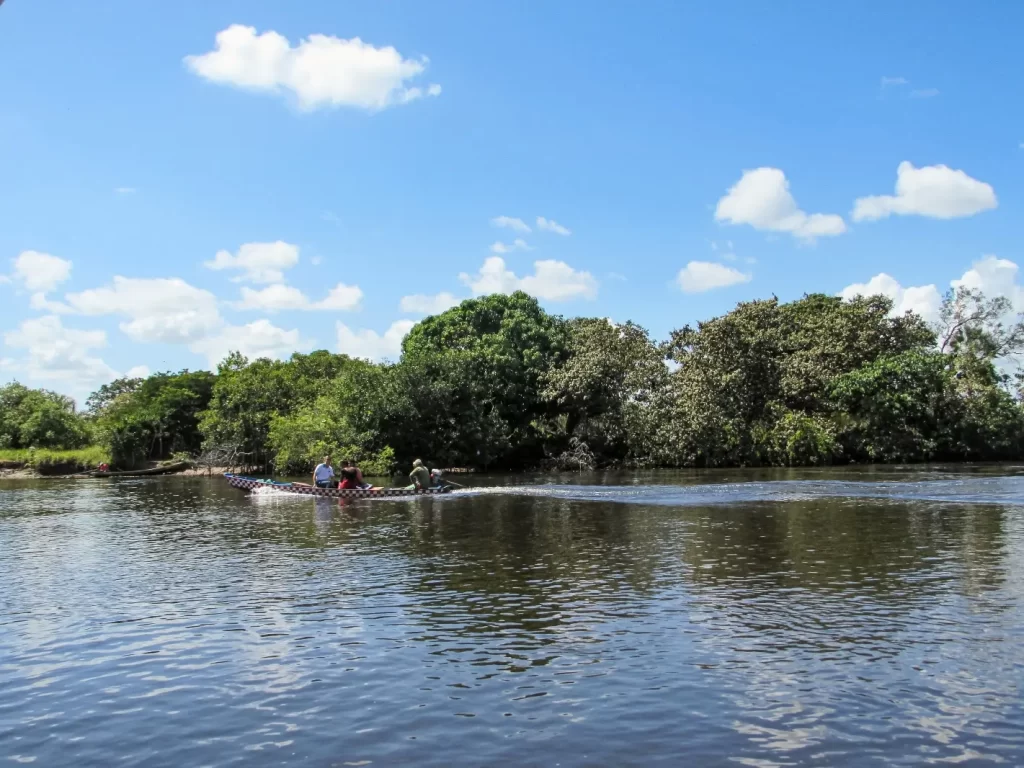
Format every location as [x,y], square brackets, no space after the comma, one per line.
[497,382]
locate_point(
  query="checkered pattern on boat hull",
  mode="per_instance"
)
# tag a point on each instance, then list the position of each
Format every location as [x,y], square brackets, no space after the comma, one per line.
[248,483]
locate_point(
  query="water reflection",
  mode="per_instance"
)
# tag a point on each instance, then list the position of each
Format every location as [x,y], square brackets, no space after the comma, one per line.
[179,622]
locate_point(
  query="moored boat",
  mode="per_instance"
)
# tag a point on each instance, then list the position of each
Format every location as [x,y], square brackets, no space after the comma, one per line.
[166,469]
[301,489]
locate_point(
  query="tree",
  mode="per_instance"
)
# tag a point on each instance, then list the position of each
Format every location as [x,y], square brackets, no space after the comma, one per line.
[971,324]
[753,386]
[609,376]
[107,394]
[475,374]
[39,418]
[154,418]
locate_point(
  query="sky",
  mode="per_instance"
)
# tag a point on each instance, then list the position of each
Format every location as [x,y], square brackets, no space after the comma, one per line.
[182,180]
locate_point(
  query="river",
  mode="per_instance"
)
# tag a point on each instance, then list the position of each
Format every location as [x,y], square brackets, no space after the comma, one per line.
[831,617]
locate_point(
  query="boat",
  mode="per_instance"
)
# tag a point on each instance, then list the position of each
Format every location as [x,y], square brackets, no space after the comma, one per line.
[301,489]
[163,470]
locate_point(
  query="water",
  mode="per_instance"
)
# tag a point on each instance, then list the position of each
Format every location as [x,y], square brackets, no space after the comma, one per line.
[735,618]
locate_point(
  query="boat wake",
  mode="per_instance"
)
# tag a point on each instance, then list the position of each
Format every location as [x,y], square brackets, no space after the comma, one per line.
[964,490]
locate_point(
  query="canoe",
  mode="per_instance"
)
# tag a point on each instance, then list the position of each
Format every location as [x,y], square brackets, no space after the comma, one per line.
[166,469]
[251,483]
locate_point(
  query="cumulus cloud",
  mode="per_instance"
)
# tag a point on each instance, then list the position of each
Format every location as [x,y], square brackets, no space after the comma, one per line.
[552,280]
[56,353]
[254,340]
[994,277]
[137,372]
[516,245]
[258,262]
[370,345]
[321,71]
[38,301]
[422,304]
[274,298]
[509,222]
[991,275]
[549,225]
[923,299]
[38,272]
[156,309]
[701,276]
[761,198]
[936,191]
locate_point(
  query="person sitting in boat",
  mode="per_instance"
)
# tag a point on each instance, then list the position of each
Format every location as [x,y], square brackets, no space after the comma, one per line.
[420,476]
[436,481]
[352,477]
[323,475]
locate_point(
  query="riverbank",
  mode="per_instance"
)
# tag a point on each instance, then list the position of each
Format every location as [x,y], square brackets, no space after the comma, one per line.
[45,462]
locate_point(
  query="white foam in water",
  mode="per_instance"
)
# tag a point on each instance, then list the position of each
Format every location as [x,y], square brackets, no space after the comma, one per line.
[267,491]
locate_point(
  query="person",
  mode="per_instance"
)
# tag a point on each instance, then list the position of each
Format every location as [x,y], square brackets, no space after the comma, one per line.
[352,477]
[323,475]
[436,481]
[420,476]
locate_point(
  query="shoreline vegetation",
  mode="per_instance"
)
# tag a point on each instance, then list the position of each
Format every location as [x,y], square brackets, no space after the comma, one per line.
[498,384]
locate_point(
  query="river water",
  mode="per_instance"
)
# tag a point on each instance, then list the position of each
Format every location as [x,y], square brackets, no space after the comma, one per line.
[734,618]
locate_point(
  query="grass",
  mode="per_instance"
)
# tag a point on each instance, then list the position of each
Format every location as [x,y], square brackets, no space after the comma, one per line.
[48,459]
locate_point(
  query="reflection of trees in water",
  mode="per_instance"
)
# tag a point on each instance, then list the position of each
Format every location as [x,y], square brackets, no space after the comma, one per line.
[540,567]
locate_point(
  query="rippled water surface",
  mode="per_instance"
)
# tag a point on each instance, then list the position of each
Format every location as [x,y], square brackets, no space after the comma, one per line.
[820,618]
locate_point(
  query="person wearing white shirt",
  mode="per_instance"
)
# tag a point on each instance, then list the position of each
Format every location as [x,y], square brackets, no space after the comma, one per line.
[323,475]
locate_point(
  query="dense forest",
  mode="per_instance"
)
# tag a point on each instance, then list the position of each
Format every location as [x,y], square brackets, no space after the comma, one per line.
[498,383]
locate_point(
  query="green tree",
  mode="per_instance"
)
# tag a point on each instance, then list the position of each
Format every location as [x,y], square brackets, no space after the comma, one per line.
[602,392]
[474,376]
[39,418]
[154,418]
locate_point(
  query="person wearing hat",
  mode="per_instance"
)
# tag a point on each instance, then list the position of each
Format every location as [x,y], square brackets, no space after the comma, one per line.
[420,476]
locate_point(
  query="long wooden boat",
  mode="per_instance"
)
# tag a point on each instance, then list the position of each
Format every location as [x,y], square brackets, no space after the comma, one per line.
[164,470]
[251,483]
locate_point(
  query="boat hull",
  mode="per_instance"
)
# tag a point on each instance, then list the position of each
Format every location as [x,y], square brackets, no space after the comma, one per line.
[251,483]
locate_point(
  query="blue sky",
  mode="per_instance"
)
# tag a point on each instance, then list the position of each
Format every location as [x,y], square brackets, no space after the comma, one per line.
[355,175]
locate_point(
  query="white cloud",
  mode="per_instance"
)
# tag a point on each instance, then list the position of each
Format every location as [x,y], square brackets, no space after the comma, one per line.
[371,345]
[57,353]
[888,81]
[258,262]
[701,276]
[509,222]
[40,272]
[160,309]
[552,280]
[936,191]
[257,339]
[761,198]
[316,261]
[321,71]
[994,277]
[516,245]
[923,299]
[38,301]
[549,225]
[273,298]
[125,190]
[341,298]
[138,372]
[422,304]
